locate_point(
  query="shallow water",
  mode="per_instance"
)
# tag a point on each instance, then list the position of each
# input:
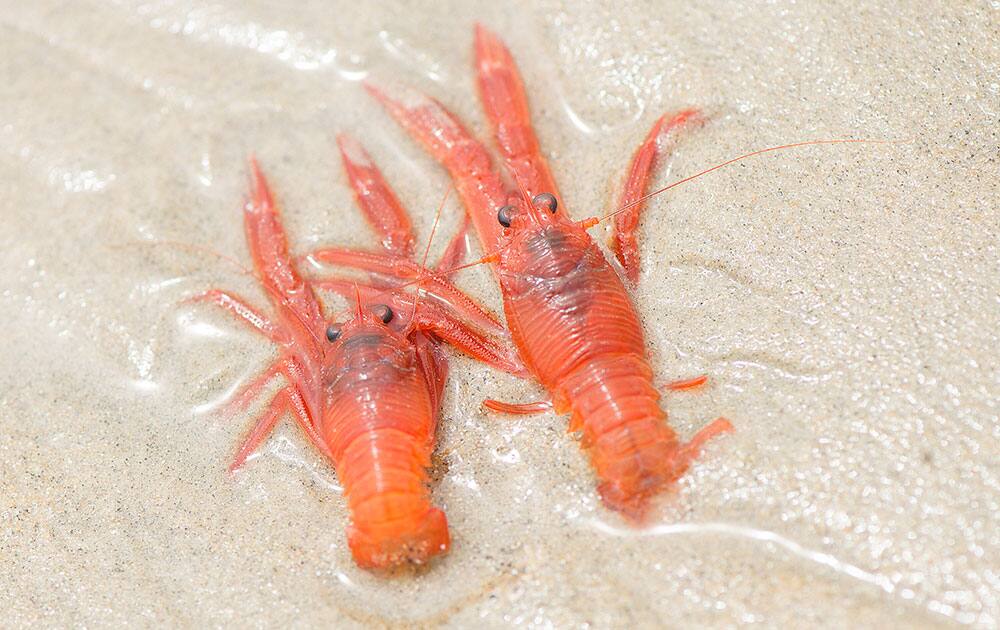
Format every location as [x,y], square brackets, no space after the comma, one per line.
[844,301]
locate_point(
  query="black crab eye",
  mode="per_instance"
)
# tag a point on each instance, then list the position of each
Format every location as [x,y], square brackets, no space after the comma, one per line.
[333,333]
[504,215]
[383,312]
[547,201]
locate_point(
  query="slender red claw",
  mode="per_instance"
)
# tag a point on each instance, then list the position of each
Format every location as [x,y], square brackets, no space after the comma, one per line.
[466,159]
[376,199]
[650,152]
[506,105]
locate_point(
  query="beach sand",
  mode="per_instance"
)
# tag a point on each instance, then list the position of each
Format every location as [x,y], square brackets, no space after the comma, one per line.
[842,299]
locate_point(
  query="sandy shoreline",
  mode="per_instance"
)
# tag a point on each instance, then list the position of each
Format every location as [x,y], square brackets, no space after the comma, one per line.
[842,299]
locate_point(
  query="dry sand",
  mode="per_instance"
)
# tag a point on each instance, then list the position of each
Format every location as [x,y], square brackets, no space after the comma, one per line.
[843,299]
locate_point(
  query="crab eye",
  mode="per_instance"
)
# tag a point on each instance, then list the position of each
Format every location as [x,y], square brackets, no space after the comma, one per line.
[333,333]
[383,312]
[504,215]
[547,201]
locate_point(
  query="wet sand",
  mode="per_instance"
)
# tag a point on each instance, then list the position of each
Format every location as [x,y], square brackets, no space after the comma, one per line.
[843,300]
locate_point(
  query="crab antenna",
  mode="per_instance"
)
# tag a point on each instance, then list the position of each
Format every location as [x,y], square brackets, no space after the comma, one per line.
[434,226]
[594,221]
[357,300]
[427,251]
[489,258]
[191,247]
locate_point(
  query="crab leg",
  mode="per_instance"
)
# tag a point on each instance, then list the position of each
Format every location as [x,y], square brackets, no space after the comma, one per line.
[253,389]
[239,308]
[468,340]
[298,406]
[623,240]
[518,409]
[435,319]
[434,284]
[345,287]
[523,409]
[434,365]
[502,94]
[264,426]
[687,383]
[457,248]
[288,399]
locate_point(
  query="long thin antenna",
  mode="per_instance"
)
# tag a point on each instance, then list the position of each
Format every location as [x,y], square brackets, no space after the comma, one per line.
[588,223]
[592,222]
[434,226]
[427,250]
[490,258]
[357,301]
[200,249]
